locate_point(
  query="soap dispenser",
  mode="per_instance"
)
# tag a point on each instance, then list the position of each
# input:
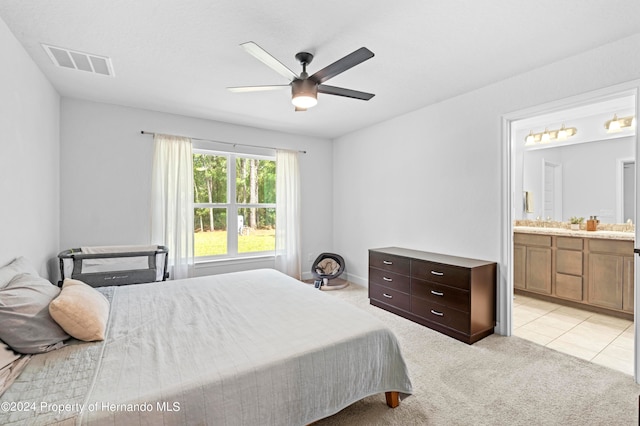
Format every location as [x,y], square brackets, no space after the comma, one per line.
[592,223]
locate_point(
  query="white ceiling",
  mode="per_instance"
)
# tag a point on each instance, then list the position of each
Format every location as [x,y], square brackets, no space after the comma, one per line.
[179,57]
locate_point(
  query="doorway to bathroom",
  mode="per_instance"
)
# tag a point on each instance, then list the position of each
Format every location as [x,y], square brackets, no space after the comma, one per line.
[555,293]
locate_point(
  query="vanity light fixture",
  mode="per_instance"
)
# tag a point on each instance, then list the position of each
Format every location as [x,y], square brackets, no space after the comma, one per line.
[618,124]
[563,133]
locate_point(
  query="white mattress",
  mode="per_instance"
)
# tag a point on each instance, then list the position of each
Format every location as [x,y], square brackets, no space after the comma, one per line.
[248,348]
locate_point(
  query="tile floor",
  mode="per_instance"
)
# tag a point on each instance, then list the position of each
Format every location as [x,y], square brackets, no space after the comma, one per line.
[598,338]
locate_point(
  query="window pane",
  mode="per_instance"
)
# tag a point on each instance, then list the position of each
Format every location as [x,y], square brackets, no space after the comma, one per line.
[262,236]
[209,178]
[255,181]
[208,240]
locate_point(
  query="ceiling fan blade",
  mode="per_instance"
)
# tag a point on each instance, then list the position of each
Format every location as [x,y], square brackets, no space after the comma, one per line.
[264,56]
[348,93]
[245,89]
[341,65]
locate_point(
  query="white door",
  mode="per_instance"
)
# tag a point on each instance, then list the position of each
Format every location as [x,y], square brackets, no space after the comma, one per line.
[552,190]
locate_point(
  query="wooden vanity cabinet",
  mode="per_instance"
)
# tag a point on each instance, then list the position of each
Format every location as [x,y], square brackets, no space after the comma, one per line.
[533,262]
[594,273]
[611,274]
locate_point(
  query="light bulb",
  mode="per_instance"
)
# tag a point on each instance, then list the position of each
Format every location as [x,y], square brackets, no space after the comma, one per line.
[546,137]
[530,139]
[303,101]
[614,125]
[562,134]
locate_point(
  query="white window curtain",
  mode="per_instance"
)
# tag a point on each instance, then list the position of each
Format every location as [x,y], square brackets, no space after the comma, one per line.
[288,214]
[172,202]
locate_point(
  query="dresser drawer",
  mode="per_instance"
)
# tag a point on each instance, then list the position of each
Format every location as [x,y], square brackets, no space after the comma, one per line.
[441,314]
[390,279]
[441,294]
[453,276]
[388,262]
[389,296]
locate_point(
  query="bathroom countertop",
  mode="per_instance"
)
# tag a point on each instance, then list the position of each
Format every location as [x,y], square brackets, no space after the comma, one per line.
[608,235]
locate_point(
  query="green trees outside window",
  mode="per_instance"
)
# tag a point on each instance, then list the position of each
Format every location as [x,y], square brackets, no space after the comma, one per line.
[232,219]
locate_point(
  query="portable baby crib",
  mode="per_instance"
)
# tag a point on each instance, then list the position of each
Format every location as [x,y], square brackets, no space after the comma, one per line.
[326,267]
[114,265]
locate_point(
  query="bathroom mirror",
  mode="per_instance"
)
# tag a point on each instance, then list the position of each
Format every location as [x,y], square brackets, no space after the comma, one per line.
[583,180]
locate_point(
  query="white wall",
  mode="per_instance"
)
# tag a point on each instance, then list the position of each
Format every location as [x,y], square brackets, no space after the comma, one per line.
[29,160]
[431,179]
[106,175]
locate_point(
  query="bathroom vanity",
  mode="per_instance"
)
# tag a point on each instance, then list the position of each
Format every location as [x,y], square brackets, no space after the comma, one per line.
[584,269]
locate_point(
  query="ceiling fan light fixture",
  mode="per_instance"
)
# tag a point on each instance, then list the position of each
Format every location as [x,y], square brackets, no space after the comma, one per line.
[304,93]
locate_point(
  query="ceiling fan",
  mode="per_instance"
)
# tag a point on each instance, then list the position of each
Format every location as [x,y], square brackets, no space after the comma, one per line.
[305,88]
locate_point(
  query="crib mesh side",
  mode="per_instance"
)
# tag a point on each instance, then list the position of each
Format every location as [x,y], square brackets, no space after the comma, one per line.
[112,269]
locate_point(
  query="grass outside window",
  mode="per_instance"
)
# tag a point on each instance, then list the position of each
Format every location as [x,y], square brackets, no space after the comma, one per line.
[215,243]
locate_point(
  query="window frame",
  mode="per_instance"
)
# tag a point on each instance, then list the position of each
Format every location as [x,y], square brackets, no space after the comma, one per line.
[233,206]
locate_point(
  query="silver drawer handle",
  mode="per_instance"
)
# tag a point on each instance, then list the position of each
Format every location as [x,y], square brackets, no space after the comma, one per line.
[387,262]
[440,314]
[387,279]
[437,293]
[437,273]
[388,296]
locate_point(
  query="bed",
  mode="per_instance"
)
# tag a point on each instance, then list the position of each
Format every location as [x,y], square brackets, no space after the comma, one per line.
[246,348]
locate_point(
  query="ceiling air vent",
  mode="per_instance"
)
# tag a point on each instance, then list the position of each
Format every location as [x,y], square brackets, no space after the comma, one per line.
[82,61]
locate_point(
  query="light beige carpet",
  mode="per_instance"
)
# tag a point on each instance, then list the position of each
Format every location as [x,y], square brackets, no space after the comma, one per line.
[496,381]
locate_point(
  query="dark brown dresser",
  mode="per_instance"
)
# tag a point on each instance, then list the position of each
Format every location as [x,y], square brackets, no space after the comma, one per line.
[453,295]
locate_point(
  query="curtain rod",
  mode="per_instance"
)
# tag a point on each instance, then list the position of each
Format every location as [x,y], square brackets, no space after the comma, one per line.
[227,143]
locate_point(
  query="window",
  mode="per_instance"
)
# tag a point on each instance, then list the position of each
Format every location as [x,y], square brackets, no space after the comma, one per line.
[234,201]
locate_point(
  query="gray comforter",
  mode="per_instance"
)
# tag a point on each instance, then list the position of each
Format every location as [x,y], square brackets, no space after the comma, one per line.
[248,348]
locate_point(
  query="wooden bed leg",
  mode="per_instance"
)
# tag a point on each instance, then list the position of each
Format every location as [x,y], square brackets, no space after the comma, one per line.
[393,399]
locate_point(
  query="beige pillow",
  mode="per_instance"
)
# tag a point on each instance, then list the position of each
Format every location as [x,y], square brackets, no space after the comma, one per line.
[81,311]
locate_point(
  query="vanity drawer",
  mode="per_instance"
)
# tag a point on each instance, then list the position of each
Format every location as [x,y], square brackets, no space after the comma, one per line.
[624,248]
[569,262]
[442,294]
[390,297]
[532,240]
[569,287]
[441,314]
[388,262]
[569,243]
[444,274]
[390,279]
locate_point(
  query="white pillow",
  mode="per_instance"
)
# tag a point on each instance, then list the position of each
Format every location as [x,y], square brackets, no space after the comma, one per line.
[81,310]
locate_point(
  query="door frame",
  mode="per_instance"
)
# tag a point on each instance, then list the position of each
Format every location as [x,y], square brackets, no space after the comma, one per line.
[508,202]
